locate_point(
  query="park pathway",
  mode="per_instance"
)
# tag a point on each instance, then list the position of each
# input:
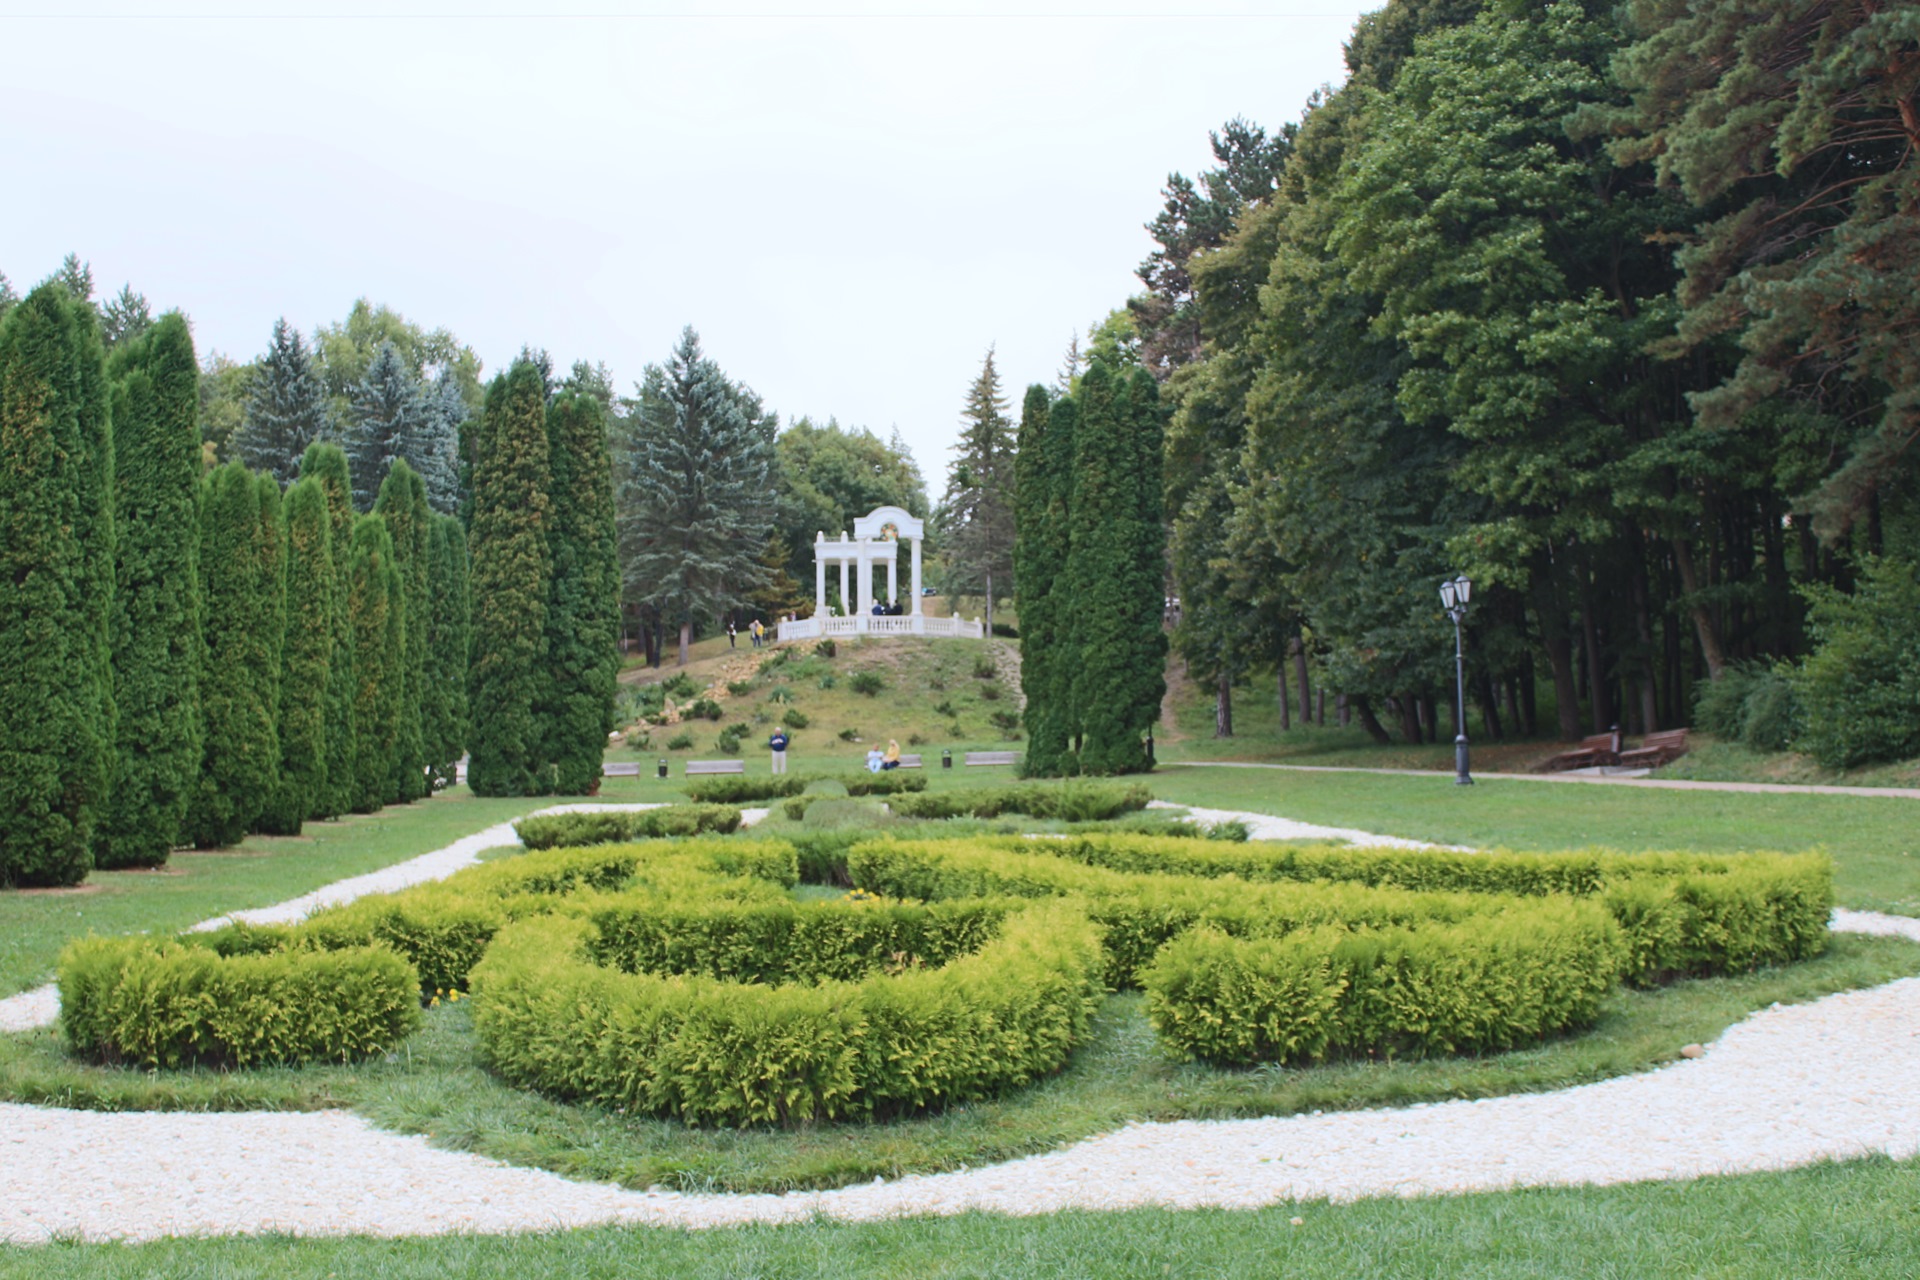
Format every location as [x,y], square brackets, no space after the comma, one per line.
[1667,784]
[1833,1079]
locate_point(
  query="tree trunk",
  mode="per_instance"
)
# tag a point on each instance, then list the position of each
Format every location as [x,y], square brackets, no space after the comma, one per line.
[1320,707]
[1342,713]
[1489,705]
[1284,700]
[1703,623]
[1358,704]
[686,640]
[1597,699]
[1409,718]
[1299,648]
[1223,706]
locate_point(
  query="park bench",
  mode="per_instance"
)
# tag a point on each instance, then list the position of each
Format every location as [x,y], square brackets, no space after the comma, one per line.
[1599,749]
[620,769]
[1657,749]
[909,762]
[697,767]
[992,757]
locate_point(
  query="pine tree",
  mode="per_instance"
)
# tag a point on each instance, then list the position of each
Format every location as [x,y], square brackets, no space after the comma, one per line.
[403,505]
[156,606]
[695,465]
[376,602]
[979,501]
[125,318]
[583,615]
[445,698]
[327,464]
[8,298]
[386,407]
[512,568]
[306,660]
[433,449]
[76,277]
[1042,473]
[243,587]
[56,557]
[286,407]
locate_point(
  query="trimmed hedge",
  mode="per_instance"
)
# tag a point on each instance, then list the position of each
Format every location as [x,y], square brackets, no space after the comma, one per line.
[1681,913]
[705,1050]
[168,1004]
[739,788]
[1071,801]
[559,830]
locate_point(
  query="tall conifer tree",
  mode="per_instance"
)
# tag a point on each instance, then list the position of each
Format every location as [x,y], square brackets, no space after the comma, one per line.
[376,602]
[156,604]
[243,586]
[327,464]
[447,640]
[583,616]
[512,569]
[979,504]
[286,407]
[306,660]
[1043,472]
[56,559]
[403,504]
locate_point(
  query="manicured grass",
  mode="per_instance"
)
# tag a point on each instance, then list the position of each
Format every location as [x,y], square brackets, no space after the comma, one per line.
[436,1085]
[1875,841]
[1859,1219]
[194,886]
[1712,761]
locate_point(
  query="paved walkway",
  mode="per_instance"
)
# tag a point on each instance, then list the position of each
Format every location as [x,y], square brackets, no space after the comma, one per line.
[1667,784]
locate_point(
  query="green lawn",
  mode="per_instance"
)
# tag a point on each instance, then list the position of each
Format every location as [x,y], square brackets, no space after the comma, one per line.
[1875,841]
[1860,1219]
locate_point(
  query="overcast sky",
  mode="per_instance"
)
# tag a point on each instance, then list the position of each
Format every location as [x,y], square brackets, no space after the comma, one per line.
[850,208]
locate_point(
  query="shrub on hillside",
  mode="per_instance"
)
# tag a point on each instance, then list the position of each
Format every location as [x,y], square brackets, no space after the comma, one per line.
[739,688]
[826,648]
[983,668]
[679,685]
[867,682]
[703,709]
[728,743]
[682,741]
[794,718]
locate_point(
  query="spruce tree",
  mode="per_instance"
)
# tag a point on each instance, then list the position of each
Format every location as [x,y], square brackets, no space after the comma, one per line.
[385,406]
[403,505]
[306,660]
[243,589]
[583,613]
[286,407]
[978,508]
[376,602]
[512,568]
[327,464]
[445,728]
[156,603]
[8,298]
[125,318]
[56,559]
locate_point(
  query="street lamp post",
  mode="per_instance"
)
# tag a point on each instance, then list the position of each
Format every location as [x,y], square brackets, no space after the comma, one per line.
[1454,595]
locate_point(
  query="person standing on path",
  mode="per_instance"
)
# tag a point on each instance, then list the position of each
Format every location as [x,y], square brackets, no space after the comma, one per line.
[730,633]
[778,744]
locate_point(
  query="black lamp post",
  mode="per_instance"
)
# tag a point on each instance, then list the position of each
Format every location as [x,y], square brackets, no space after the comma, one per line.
[1454,595]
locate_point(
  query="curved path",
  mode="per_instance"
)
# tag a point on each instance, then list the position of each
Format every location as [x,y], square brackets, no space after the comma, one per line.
[1833,1079]
[1610,780]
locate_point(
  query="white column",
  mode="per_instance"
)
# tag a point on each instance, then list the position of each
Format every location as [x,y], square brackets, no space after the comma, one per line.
[893,574]
[820,580]
[866,580]
[846,605]
[916,576]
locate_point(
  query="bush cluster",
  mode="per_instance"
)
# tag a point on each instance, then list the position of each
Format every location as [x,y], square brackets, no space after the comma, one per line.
[1070,801]
[719,1051]
[557,830]
[168,1004]
[1751,704]
[740,788]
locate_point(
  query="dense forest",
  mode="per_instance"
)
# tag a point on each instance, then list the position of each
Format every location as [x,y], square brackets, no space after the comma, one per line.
[1608,307]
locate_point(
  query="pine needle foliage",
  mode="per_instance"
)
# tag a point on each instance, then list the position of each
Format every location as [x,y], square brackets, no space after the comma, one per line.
[156,603]
[403,504]
[243,586]
[512,571]
[1042,480]
[386,408]
[326,464]
[978,515]
[56,557]
[376,602]
[448,634]
[583,616]
[306,662]
[286,408]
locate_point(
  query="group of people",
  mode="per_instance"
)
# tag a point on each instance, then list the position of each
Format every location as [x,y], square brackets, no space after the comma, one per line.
[888,609]
[878,760]
[756,633]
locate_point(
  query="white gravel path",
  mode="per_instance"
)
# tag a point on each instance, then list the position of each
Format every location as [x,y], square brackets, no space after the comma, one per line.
[1263,826]
[1790,1085]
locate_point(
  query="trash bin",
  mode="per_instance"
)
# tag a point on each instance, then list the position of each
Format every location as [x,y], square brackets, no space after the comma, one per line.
[663,766]
[946,759]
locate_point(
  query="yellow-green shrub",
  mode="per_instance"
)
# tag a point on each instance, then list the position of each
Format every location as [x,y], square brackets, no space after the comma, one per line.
[707,1050]
[166,1004]
[1071,801]
[555,830]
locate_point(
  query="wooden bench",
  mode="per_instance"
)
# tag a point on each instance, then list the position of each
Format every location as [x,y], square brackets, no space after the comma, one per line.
[1656,749]
[908,762]
[992,757]
[620,769]
[1599,749]
[697,767]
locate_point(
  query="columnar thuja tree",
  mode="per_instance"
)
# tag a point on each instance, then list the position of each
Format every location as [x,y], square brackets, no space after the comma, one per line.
[242,576]
[1088,492]
[512,570]
[56,561]
[583,614]
[306,662]
[326,464]
[376,602]
[445,696]
[156,602]
[403,505]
